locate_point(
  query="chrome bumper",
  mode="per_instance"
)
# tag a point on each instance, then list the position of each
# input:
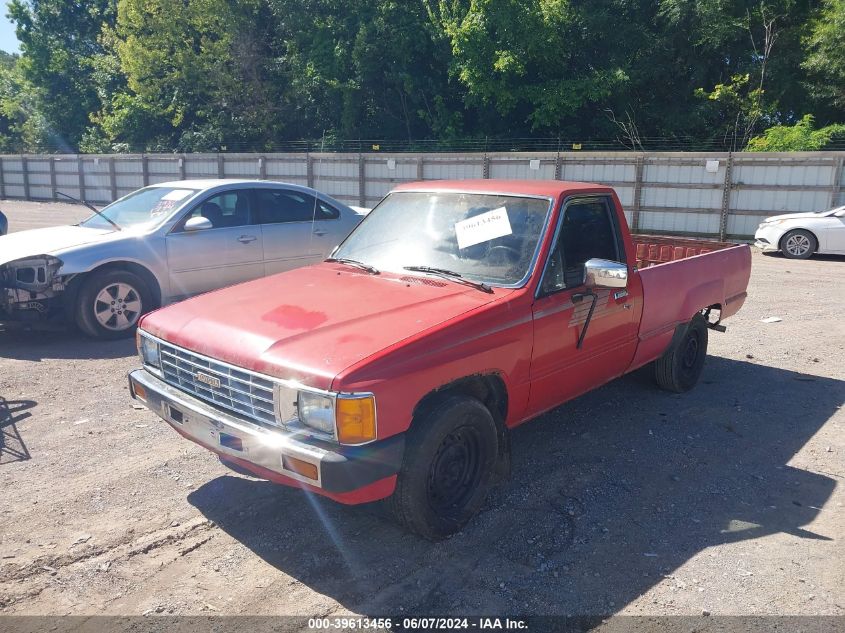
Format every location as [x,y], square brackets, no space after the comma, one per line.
[340,469]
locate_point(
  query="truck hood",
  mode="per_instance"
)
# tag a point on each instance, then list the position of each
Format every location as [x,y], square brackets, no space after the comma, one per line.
[49,241]
[312,323]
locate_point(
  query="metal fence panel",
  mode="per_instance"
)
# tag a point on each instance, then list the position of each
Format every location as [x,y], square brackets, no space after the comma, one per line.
[707,194]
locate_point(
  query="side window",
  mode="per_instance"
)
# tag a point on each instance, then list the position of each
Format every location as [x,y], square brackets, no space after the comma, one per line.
[276,206]
[587,231]
[224,210]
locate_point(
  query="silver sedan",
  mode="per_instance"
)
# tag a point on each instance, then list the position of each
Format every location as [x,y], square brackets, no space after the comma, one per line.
[164,243]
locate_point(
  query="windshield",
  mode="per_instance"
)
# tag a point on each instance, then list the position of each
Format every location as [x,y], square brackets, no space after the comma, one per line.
[145,206]
[485,237]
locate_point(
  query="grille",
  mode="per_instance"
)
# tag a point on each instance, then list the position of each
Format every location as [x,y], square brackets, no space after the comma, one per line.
[239,391]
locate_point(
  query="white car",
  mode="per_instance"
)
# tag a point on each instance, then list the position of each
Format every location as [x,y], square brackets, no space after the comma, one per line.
[161,244]
[800,235]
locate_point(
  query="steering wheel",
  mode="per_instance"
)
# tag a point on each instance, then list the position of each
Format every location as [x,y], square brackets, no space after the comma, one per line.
[501,254]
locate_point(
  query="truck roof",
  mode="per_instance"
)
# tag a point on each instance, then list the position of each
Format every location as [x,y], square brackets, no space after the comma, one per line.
[550,188]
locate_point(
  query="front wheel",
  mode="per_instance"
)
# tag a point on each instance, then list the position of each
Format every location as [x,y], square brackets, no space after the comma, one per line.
[798,244]
[681,365]
[448,467]
[110,304]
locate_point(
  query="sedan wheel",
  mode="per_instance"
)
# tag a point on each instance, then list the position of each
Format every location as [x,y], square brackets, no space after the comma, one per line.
[798,244]
[117,307]
[110,304]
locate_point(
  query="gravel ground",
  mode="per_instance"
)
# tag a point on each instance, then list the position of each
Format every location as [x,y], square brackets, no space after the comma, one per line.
[629,500]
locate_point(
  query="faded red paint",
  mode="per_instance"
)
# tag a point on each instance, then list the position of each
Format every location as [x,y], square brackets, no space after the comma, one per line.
[338,328]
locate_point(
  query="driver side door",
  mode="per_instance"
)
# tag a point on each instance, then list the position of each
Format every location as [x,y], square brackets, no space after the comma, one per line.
[588,228]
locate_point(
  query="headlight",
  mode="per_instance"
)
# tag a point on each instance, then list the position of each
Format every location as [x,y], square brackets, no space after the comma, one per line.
[316,410]
[149,351]
[350,418]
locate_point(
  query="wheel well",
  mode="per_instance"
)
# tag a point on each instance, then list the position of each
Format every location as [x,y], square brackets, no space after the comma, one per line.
[815,237]
[490,389]
[142,271]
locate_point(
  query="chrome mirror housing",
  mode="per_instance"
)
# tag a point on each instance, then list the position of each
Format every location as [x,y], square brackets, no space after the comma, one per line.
[603,273]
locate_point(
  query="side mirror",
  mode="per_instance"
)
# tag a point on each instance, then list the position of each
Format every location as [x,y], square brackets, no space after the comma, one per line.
[198,223]
[603,273]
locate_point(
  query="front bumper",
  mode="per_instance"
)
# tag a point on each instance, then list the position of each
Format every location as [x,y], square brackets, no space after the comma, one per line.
[767,238]
[353,474]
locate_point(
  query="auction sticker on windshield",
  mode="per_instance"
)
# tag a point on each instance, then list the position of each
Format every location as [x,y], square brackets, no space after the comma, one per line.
[483,228]
[177,194]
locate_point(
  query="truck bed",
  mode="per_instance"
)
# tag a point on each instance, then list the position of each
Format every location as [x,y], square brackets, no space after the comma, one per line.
[681,277]
[655,249]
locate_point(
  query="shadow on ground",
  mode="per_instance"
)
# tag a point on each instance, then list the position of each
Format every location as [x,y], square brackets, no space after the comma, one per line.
[59,342]
[12,446]
[609,493]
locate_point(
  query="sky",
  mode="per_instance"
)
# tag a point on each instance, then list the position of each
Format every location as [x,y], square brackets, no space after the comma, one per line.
[8,41]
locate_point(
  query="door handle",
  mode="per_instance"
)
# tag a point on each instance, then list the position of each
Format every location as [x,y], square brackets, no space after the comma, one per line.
[320,232]
[246,239]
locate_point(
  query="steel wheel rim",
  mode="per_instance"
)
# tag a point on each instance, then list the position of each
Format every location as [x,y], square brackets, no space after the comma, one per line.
[797,244]
[455,471]
[690,355]
[117,307]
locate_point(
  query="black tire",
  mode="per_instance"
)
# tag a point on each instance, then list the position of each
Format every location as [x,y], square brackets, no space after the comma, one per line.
[122,323]
[681,365]
[798,244]
[450,460]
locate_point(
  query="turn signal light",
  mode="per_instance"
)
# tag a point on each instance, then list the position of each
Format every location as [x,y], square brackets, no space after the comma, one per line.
[140,392]
[300,467]
[356,420]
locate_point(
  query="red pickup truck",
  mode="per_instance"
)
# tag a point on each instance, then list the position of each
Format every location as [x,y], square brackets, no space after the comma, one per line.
[453,313]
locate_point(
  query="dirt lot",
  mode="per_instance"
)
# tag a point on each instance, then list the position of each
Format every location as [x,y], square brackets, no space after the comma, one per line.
[629,500]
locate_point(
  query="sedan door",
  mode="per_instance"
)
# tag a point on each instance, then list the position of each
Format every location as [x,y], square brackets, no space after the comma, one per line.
[832,233]
[229,252]
[297,228]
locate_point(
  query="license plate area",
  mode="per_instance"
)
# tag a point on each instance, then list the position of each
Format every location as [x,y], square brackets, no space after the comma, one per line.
[231,442]
[173,414]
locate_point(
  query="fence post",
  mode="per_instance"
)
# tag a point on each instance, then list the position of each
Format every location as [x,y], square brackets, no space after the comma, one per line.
[836,185]
[558,166]
[362,194]
[2,180]
[25,168]
[112,179]
[80,172]
[262,168]
[53,178]
[145,170]
[726,197]
[221,166]
[421,168]
[182,167]
[638,193]
[309,169]
[485,172]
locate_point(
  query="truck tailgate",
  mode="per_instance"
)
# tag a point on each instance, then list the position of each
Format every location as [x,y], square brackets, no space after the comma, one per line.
[675,290]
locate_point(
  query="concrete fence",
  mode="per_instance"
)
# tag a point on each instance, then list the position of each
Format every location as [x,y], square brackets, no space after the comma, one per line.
[717,195]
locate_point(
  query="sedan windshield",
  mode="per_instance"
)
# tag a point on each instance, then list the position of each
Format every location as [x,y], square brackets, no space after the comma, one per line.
[144,207]
[484,237]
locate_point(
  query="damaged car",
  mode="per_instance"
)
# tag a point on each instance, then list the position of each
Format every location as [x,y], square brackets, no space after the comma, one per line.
[161,244]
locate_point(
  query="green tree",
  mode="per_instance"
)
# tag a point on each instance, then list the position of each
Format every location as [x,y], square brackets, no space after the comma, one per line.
[58,40]
[801,137]
[825,60]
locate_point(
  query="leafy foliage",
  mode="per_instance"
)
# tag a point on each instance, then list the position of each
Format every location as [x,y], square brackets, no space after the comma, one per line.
[162,75]
[801,137]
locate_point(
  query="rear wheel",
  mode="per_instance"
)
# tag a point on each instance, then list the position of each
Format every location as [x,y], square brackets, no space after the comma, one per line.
[798,244]
[110,304]
[681,365]
[448,467]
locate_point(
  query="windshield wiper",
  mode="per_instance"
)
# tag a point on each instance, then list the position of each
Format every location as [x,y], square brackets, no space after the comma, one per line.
[92,207]
[450,274]
[354,262]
